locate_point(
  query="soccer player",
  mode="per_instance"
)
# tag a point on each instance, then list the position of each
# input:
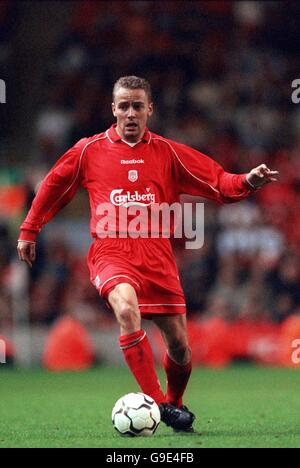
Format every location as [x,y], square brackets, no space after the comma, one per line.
[124,166]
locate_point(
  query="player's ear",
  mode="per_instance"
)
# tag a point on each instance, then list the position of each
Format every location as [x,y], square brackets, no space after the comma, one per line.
[150,109]
[113,108]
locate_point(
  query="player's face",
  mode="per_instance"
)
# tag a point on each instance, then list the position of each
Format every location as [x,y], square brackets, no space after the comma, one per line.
[132,109]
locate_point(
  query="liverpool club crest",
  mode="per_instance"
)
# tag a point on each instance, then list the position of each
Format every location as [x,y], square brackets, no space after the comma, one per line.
[133,175]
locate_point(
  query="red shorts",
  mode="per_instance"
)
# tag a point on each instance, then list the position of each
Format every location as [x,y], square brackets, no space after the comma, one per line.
[147,264]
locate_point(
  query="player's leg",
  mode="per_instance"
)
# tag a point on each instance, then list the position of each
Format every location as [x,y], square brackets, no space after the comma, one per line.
[178,367]
[177,360]
[123,301]
[134,341]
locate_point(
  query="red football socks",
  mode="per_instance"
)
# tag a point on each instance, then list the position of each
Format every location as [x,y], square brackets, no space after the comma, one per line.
[177,380]
[139,357]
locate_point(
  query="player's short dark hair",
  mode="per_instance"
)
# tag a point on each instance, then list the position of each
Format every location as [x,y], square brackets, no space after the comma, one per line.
[133,82]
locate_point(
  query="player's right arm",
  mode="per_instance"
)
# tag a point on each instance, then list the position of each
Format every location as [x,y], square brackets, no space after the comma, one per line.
[57,190]
[27,252]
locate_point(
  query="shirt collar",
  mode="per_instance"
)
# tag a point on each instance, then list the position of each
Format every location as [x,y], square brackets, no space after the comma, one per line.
[114,136]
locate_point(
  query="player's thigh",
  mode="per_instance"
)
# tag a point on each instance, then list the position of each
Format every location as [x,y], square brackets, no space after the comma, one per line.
[124,302]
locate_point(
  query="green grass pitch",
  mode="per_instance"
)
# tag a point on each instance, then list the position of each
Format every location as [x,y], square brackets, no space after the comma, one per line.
[237,407]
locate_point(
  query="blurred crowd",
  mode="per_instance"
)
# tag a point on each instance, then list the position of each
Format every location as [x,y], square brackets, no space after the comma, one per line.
[221,74]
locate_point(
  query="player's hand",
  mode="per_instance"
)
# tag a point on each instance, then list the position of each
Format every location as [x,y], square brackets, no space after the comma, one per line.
[262,175]
[27,252]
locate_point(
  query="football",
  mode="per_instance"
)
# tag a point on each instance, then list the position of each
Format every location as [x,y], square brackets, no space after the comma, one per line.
[136,414]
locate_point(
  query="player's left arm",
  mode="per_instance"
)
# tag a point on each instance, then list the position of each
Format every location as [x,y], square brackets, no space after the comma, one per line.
[261,175]
[198,174]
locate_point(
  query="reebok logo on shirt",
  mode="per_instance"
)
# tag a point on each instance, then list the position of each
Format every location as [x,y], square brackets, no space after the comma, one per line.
[132,161]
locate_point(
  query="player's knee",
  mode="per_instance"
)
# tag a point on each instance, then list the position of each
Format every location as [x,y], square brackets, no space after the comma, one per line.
[127,314]
[125,307]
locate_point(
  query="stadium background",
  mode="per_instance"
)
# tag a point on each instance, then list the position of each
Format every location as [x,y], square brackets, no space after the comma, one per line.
[221,74]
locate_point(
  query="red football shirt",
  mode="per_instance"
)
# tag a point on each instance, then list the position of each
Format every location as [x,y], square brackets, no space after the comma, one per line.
[154,171]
